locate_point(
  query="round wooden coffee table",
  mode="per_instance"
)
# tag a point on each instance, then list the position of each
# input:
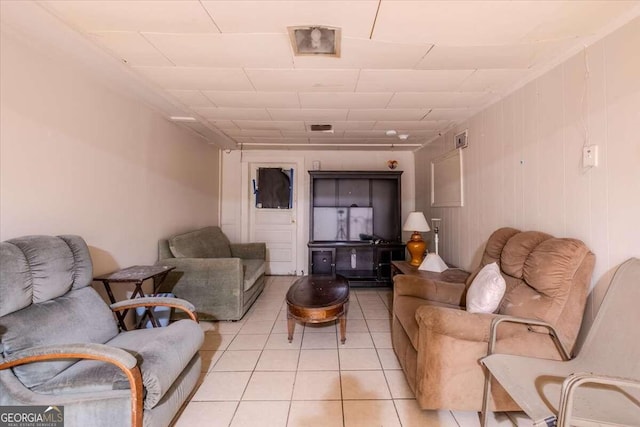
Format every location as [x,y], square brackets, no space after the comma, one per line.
[318,299]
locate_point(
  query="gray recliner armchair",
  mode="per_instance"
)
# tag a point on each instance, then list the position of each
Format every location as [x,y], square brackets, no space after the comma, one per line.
[221,278]
[60,344]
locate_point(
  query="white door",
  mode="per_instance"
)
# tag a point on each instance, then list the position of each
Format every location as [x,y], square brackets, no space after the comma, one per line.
[276,227]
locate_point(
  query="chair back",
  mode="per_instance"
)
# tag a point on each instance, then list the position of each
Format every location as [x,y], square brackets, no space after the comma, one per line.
[614,338]
[208,242]
[45,299]
[547,278]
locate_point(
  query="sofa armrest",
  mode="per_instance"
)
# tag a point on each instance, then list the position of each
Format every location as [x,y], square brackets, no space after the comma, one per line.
[249,250]
[178,303]
[463,325]
[116,356]
[451,293]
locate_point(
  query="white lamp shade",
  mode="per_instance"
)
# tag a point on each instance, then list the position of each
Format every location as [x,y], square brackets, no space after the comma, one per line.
[434,263]
[416,222]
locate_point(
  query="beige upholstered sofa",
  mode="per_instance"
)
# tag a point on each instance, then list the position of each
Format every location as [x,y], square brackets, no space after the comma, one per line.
[220,278]
[439,344]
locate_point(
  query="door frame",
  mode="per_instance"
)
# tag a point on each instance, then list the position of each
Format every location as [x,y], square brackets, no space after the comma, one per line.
[249,159]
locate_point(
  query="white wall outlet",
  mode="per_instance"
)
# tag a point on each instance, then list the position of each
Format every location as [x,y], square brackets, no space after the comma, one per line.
[590,156]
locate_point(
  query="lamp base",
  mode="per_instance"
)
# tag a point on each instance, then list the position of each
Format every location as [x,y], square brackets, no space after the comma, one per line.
[416,247]
[434,263]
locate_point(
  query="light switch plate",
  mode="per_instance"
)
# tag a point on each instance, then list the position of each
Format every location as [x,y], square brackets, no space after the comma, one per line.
[590,156]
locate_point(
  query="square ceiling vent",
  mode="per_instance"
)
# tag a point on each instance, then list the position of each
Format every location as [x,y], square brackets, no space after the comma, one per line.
[315,40]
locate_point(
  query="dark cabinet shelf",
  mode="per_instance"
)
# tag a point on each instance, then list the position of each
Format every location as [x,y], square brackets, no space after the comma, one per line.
[355,225]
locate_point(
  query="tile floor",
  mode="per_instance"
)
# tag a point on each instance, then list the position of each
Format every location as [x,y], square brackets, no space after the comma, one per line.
[252,376]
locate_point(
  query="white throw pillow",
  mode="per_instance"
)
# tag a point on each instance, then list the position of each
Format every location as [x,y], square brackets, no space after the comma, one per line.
[486,290]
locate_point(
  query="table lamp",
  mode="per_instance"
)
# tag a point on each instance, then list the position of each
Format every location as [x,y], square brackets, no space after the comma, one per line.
[433,262]
[416,222]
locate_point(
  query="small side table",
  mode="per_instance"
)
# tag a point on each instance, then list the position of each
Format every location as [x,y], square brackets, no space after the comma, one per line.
[453,275]
[136,274]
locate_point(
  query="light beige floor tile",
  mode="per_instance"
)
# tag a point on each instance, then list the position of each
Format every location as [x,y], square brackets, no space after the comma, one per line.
[270,386]
[261,313]
[319,340]
[377,314]
[472,419]
[278,360]
[281,327]
[317,385]
[223,327]
[382,339]
[277,341]
[398,385]
[326,327]
[318,360]
[354,313]
[363,385]
[209,358]
[237,360]
[213,341]
[358,359]
[208,325]
[357,340]
[325,413]
[356,325]
[222,386]
[372,306]
[412,416]
[379,325]
[210,414]
[261,414]
[388,359]
[368,413]
[257,327]
[248,342]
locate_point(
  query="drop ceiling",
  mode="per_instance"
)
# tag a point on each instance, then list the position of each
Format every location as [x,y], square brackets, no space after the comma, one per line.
[417,67]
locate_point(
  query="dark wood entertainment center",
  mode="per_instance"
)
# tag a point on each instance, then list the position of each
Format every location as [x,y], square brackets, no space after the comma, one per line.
[355,225]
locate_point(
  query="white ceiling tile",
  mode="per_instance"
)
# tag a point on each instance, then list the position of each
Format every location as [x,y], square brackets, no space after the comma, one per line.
[449,114]
[470,57]
[352,125]
[142,15]
[344,100]
[192,98]
[225,50]
[437,99]
[418,125]
[411,80]
[197,78]
[365,53]
[254,132]
[303,80]
[379,133]
[226,125]
[280,140]
[278,125]
[354,17]
[335,140]
[254,99]
[387,114]
[307,114]
[459,23]
[309,134]
[571,19]
[491,80]
[131,48]
[234,113]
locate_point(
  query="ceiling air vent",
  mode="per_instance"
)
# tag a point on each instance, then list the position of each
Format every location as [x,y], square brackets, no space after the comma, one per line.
[315,40]
[322,128]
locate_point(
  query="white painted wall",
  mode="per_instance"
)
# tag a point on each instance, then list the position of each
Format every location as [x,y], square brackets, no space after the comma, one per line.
[236,189]
[77,157]
[523,167]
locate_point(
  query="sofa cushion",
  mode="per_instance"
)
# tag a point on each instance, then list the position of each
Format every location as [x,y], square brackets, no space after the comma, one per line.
[486,290]
[209,242]
[163,354]
[253,269]
[80,316]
